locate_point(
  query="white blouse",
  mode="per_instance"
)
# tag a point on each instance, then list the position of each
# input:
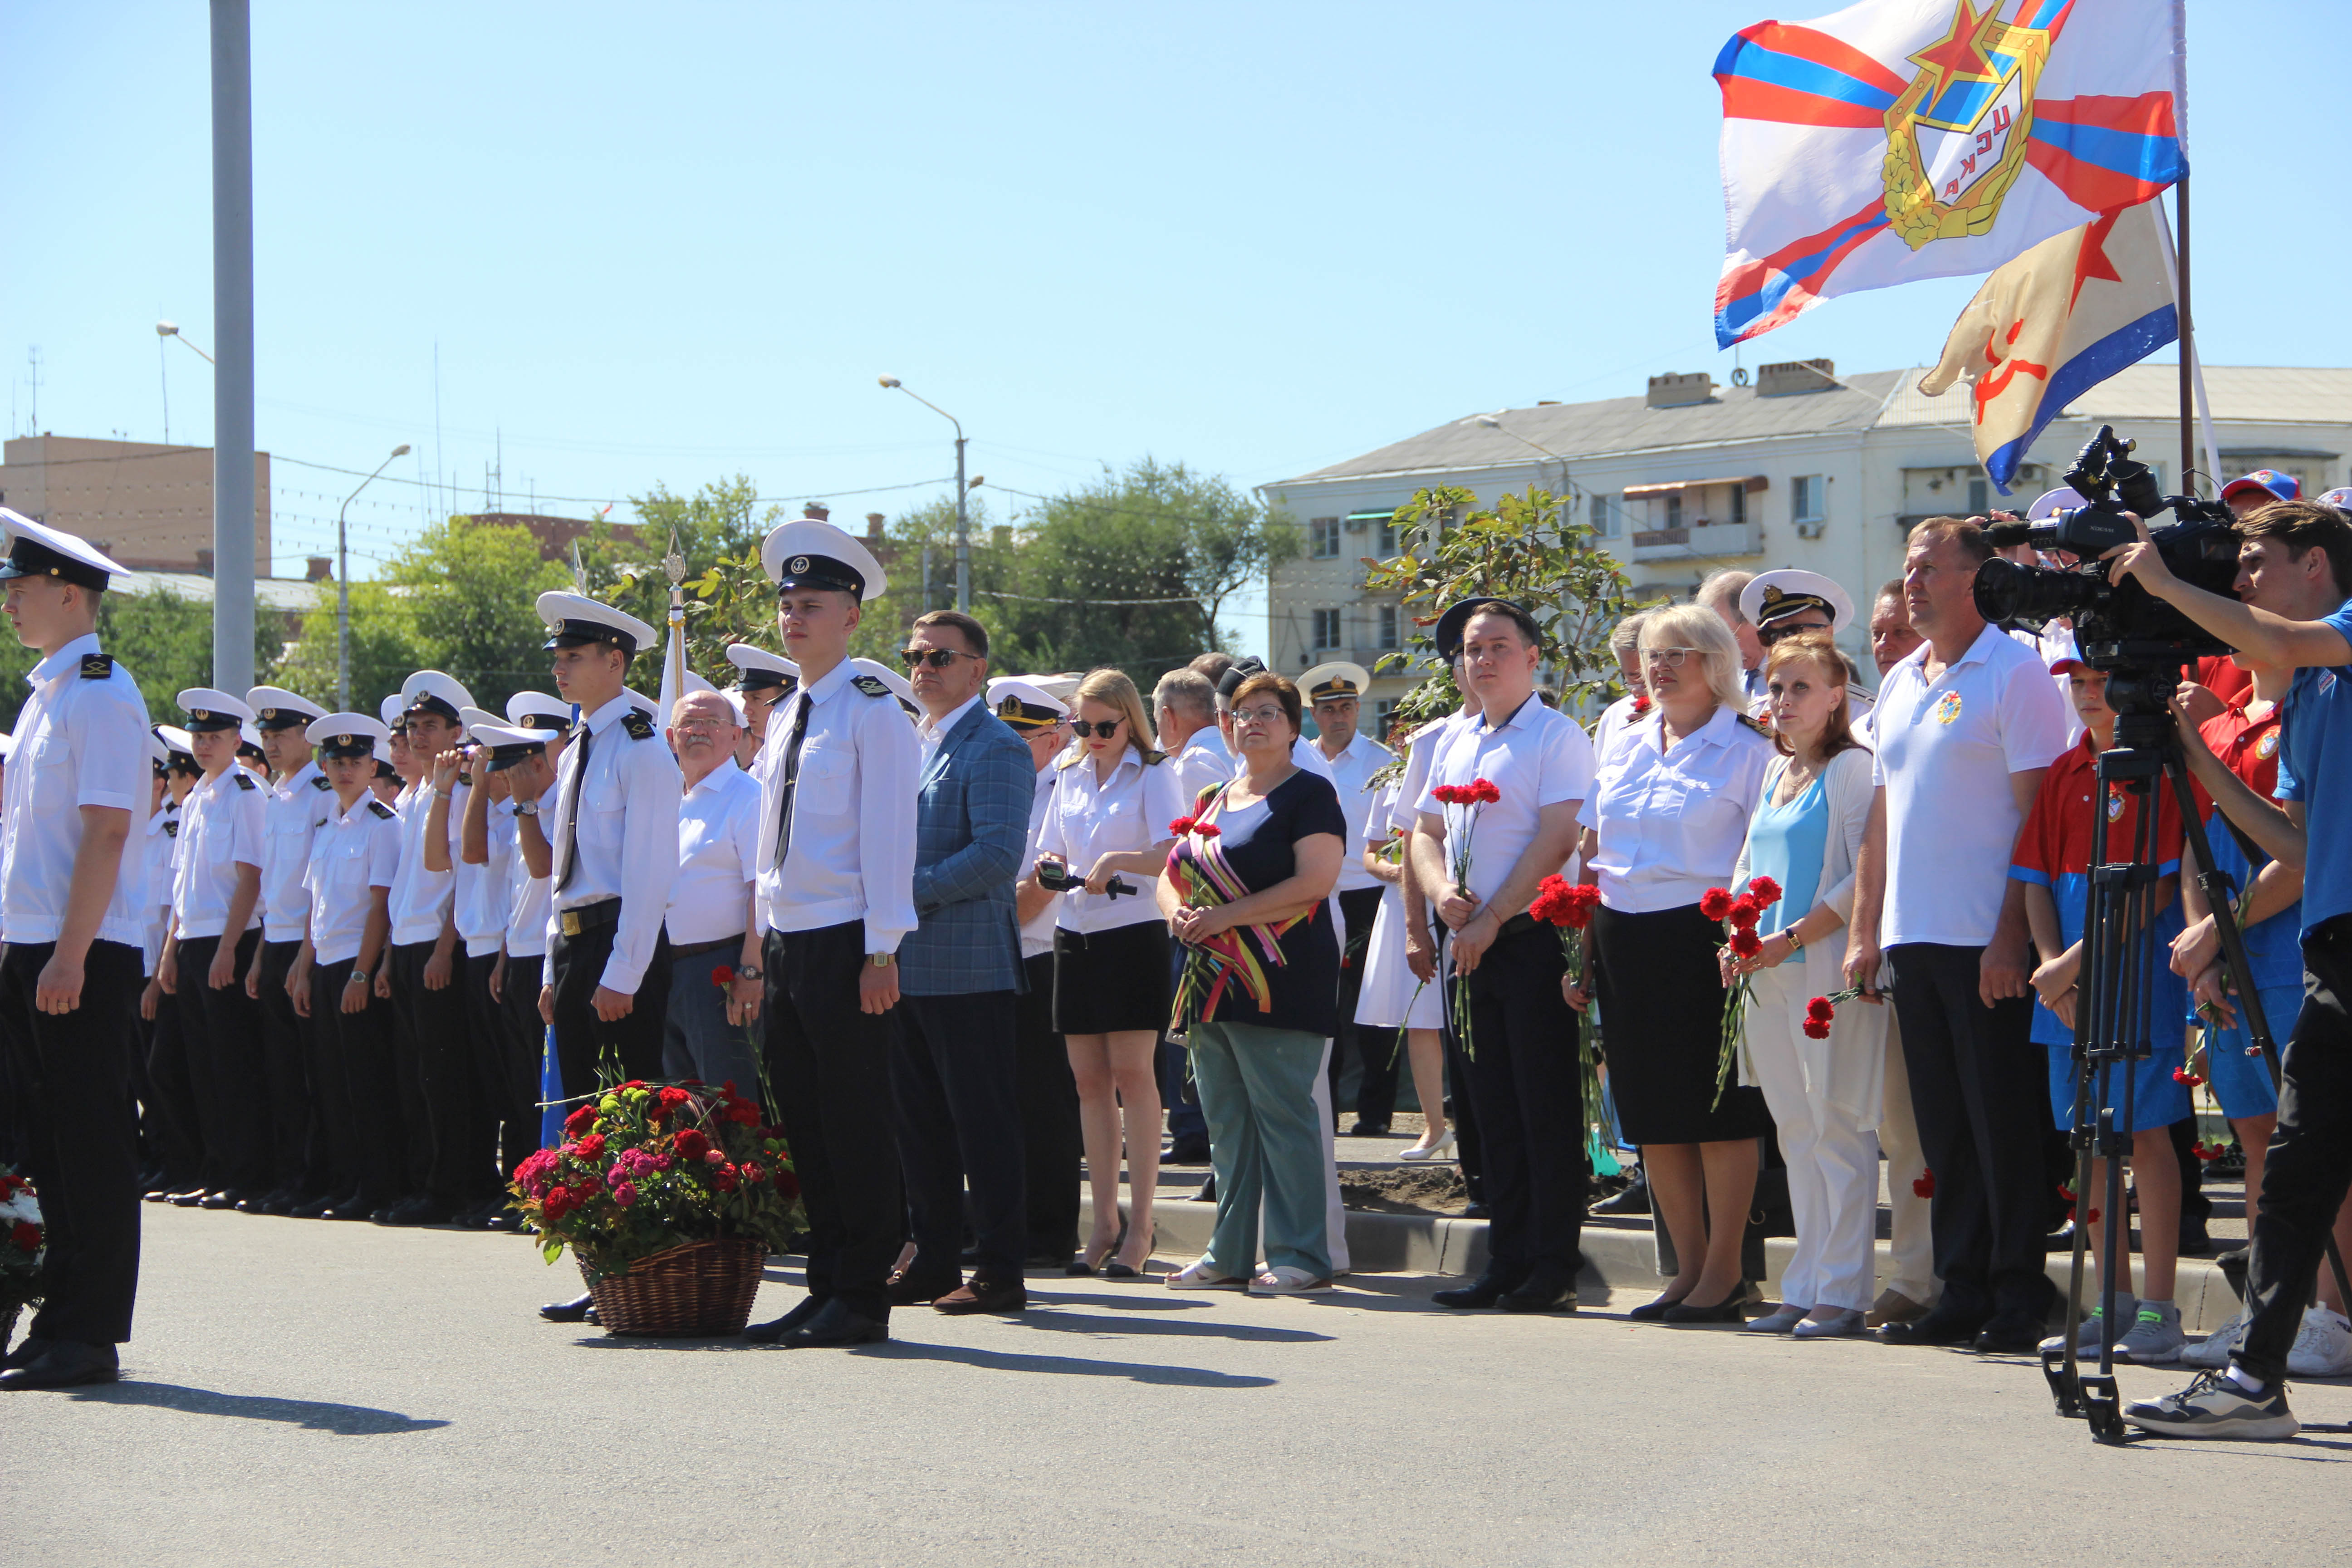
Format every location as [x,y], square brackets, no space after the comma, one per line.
[1672,821]
[1086,821]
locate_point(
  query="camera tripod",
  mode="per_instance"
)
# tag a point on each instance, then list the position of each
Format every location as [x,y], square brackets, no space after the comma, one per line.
[2113,1028]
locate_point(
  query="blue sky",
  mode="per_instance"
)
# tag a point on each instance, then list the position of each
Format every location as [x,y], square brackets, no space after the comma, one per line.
[661,244]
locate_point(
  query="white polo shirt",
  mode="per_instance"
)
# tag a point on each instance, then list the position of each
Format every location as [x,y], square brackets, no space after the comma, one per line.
[717,856]
[1671,819]
[1358,762]
[1946,749]
[1537,757]
[420,899]
[1086,821]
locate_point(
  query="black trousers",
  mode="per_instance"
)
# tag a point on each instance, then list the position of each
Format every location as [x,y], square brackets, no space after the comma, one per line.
[1524,1078]
[2308,1167]
[1053,1146]
[1373,1048]
[1469,1147]
[82,1140]
[829,1069]
[1978,1086]
[285,1061]
[357,1062]
[512,1119]
[526,1039]
[175,1138]
[575,967]
[482,1137]
[222,1030]
[955,1078]
[433,1055]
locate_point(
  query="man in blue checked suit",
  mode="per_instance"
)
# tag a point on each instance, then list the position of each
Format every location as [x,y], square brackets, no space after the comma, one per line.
[954,1066]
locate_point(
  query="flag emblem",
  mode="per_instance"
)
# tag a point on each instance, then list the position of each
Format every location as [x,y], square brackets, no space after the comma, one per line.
[1956,139]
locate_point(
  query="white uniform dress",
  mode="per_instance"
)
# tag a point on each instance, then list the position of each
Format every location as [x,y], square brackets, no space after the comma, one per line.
[1390,987]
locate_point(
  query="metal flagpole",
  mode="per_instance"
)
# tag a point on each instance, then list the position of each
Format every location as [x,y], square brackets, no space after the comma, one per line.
[233,485]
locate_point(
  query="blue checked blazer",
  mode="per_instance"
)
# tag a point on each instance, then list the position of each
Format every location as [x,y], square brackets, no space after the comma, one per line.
[971,824]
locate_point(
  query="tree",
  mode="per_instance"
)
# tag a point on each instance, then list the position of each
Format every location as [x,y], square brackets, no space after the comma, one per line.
[163,637]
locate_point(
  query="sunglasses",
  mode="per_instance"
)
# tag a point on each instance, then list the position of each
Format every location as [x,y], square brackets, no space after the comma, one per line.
[1768,636]
[937,658]
[1107,729]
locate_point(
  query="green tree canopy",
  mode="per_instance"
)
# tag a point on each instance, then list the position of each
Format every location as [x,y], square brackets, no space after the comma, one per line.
[163,637]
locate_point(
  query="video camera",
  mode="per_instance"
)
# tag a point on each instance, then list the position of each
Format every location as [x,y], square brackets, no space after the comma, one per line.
[1055,878]
[2120,627]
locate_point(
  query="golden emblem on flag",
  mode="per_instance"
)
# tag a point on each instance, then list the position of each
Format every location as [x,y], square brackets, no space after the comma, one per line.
[1956,139]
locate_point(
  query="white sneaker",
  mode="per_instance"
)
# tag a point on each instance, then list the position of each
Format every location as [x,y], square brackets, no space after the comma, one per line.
[2324,1346]
[2212,1352]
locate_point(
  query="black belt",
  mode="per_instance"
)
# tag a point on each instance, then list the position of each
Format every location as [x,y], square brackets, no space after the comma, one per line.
[589,917]
[693,948]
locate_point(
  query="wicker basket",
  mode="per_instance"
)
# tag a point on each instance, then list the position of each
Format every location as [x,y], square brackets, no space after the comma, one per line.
[700,1289]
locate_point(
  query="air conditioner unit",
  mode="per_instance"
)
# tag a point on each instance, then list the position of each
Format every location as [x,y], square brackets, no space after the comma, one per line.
[1812,527]
[1358,524]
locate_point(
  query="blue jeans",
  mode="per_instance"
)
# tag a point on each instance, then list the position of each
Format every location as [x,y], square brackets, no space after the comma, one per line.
[696,1040]
[1265,1144]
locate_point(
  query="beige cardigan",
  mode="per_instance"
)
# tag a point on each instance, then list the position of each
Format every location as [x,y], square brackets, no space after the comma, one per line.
[1849,1069]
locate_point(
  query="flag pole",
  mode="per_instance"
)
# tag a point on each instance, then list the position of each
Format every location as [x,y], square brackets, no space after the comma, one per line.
[2187,338]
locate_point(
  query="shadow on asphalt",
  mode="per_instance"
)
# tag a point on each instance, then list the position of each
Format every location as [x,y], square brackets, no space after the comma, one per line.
[1068,1366]
[1095,1323]
[346,1420]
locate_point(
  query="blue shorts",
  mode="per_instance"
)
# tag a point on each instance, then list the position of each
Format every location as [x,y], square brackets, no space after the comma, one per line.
[2241,1082]
[2158,1098]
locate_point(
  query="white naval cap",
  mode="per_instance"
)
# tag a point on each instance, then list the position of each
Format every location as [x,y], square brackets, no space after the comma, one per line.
[249,733]
[348,736]
[809,554]
[538,710]
[693,684]
[2050,503]
[209,710]
[575,620]
[175,739]
[640,702]
[1024,704]
[157,751]
[891,677]
[1334,679]
[1061,686]
[1774,596]
[762,669]
[274,708]
[37,550]
[430,691]
[472,717]
[510,744]
[390,710]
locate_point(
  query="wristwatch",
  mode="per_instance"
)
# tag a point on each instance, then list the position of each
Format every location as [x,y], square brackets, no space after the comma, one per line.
[1796,943]
[526,808]
[359,976]
[883,960]
[749,971]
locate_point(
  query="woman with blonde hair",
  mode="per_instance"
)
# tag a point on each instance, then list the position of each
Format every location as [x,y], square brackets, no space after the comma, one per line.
[1104,837]
[1664,824]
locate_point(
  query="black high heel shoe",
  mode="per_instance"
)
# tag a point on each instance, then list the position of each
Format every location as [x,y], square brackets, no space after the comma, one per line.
[1732,1309]
[1654,1312]
[1089,1262]
[1115,1269]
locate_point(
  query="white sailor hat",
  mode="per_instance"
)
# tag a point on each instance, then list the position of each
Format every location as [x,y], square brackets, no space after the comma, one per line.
[889,678]
[473,718]
[274,708]
[157,751]
[762,670]
[1024,704]
[510,744]
[1334,679]
[430,691]
[37,550]
[693,683]
[538,710]
[2050,503]
[175,739]
[808,554]
[249,739]
[393,713]
[640,702]
[1775,595]
[346,736]
[1061,686]
[575,620]
[208,709]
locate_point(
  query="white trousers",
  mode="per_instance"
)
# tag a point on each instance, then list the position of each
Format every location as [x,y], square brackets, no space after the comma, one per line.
[1832,1159]
[1898,1134]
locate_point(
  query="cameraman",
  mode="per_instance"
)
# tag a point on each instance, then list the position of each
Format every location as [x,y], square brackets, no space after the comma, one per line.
[2293,619]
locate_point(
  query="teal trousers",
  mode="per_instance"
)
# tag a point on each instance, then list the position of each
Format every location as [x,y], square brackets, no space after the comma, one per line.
[1265,1144]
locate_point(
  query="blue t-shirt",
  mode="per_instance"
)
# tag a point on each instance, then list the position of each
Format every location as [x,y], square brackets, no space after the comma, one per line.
[1788,844]
[2318,747]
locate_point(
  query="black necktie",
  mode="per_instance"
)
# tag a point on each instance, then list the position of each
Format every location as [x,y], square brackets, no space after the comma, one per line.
[570,861]
[792,778]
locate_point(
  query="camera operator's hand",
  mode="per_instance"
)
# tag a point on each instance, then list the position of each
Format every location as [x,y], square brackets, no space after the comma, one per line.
[2142,560]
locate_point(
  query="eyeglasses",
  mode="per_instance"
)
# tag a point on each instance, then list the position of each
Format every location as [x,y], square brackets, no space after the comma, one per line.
[702,726]
[1267,715]
[937,658]
[1106,728]
[1667,657]
[1768,636]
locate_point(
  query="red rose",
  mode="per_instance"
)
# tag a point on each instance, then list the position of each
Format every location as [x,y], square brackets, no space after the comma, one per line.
[580,1121]
[1745,912]
[1746,942]
[27,1235]
[1821,1007]
[1923,1185]
[724,1178]
[754,1172]
[1715,904]
[692,1146]
[1764,891]
[722,975]
[1817,1028]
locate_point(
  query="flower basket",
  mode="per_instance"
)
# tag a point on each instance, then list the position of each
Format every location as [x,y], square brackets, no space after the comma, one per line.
[698,1289]
[23,1245]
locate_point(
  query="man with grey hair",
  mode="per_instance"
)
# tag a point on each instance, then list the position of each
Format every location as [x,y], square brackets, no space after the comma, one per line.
[710,918]
[1719,591]
[1184,706]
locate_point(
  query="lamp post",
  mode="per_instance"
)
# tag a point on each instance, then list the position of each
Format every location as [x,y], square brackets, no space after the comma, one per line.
[171,330]
[343,587]
[1490,422]
[963,516]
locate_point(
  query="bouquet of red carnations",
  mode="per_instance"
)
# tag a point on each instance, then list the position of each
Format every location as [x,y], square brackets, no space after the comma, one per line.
[1568,907]
[24,1247]
[1462,803]
[1739,916]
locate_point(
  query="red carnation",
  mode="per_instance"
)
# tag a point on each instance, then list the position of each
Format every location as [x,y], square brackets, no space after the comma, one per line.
[1641,704]
[1205,829]
[722,975]
[1483,791]
[674,1097]
[2182,1075]
[1447,794]
[1923,1185]
[691,1144]
[27,1235]
[1182,825]
[1744,912]
[1821,1007]
[589,1148]
[787,1185]
[580,1121]
[743,1112]
[1817,1028]
[1764,891]
[1746,942]
[1715,904]
[2207,1151]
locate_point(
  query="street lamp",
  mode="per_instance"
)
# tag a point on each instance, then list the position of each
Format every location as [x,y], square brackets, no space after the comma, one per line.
[1490,422]
[343,587]
[963,517]
[171,330]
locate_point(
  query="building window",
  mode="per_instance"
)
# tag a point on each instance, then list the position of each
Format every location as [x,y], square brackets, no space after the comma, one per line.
[1604,518]
[1807,500]
[1674,510]
[1323,536]
[1387,624]
[1384,714]
[1327,630]
[1385,531]
[1977,497]
[1738,505]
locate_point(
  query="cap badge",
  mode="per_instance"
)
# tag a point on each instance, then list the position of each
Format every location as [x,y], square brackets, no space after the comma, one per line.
[199,713]
[1772,592]
[268,713]
[342,740]
[800,565]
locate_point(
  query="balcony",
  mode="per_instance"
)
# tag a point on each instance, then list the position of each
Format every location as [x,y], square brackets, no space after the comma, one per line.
[1702,541]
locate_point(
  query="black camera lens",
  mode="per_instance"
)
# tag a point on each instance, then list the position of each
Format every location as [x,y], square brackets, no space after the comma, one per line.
[2008,593]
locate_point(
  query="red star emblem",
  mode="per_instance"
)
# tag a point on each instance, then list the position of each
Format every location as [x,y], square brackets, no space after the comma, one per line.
[1962,51]
[2091,261]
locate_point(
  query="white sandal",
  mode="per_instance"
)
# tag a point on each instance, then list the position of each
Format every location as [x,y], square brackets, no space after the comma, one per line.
[1198,1276]
[1285,1280]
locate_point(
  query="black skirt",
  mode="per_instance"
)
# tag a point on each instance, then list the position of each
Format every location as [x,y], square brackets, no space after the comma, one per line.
[1662,1001]
[1112,981]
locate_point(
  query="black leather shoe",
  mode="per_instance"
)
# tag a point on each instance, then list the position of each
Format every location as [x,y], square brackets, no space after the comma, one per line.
[226,1198]
[575,1310]
[316,1208]
[156,1195]
[1207,1193]
[261,1203]
[1938,1328]
[1654,1312]
[1635,1199]
[502,1218]
[909,1289]
[775,1328]
[1545,1290]
[422,1209]
[836,1327]
[356,1206]
[190,1198]
[984,1293]
[1485,1290]
[28,1350]
[1368,1130]
[66,1363]
[2011,1334]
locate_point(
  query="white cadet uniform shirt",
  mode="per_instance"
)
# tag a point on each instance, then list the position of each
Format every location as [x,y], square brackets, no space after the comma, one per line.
[420,899]
[221,829]
[1672,820]
[292,811]
[626,843]
[1946,750]
[1037,936]
[1201,762]
[852,853]
[717,856]
[1359,762]
[1609,730]
[484,891]
[163,837]
[528,896]
[1537,757]
[1086,821]
[78,743]
[357,851]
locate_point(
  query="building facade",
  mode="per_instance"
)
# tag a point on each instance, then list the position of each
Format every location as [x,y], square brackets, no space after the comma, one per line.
[150,507]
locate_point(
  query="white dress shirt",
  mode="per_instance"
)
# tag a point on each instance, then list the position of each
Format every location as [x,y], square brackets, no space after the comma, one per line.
[1202,760]
[625,844]
[1537,757]
[1610,731]
[221,829]
[1358,762]
[1087,820]
[420,899]
[484,891]
[931,734]
[528,897]
[1672,819]
[852,852]
[78,743]
[357,851]
[162,839]
[1946,750]
[717,856]
[291,811]
[1037,936]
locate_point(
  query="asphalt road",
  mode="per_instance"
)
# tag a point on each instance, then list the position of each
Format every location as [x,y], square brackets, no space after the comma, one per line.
[324,1395]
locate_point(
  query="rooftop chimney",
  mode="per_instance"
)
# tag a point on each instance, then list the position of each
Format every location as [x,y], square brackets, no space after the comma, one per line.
[816,509]
[1672,391]
[873,525]
[204,558]
[1795,376]
[321,569]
